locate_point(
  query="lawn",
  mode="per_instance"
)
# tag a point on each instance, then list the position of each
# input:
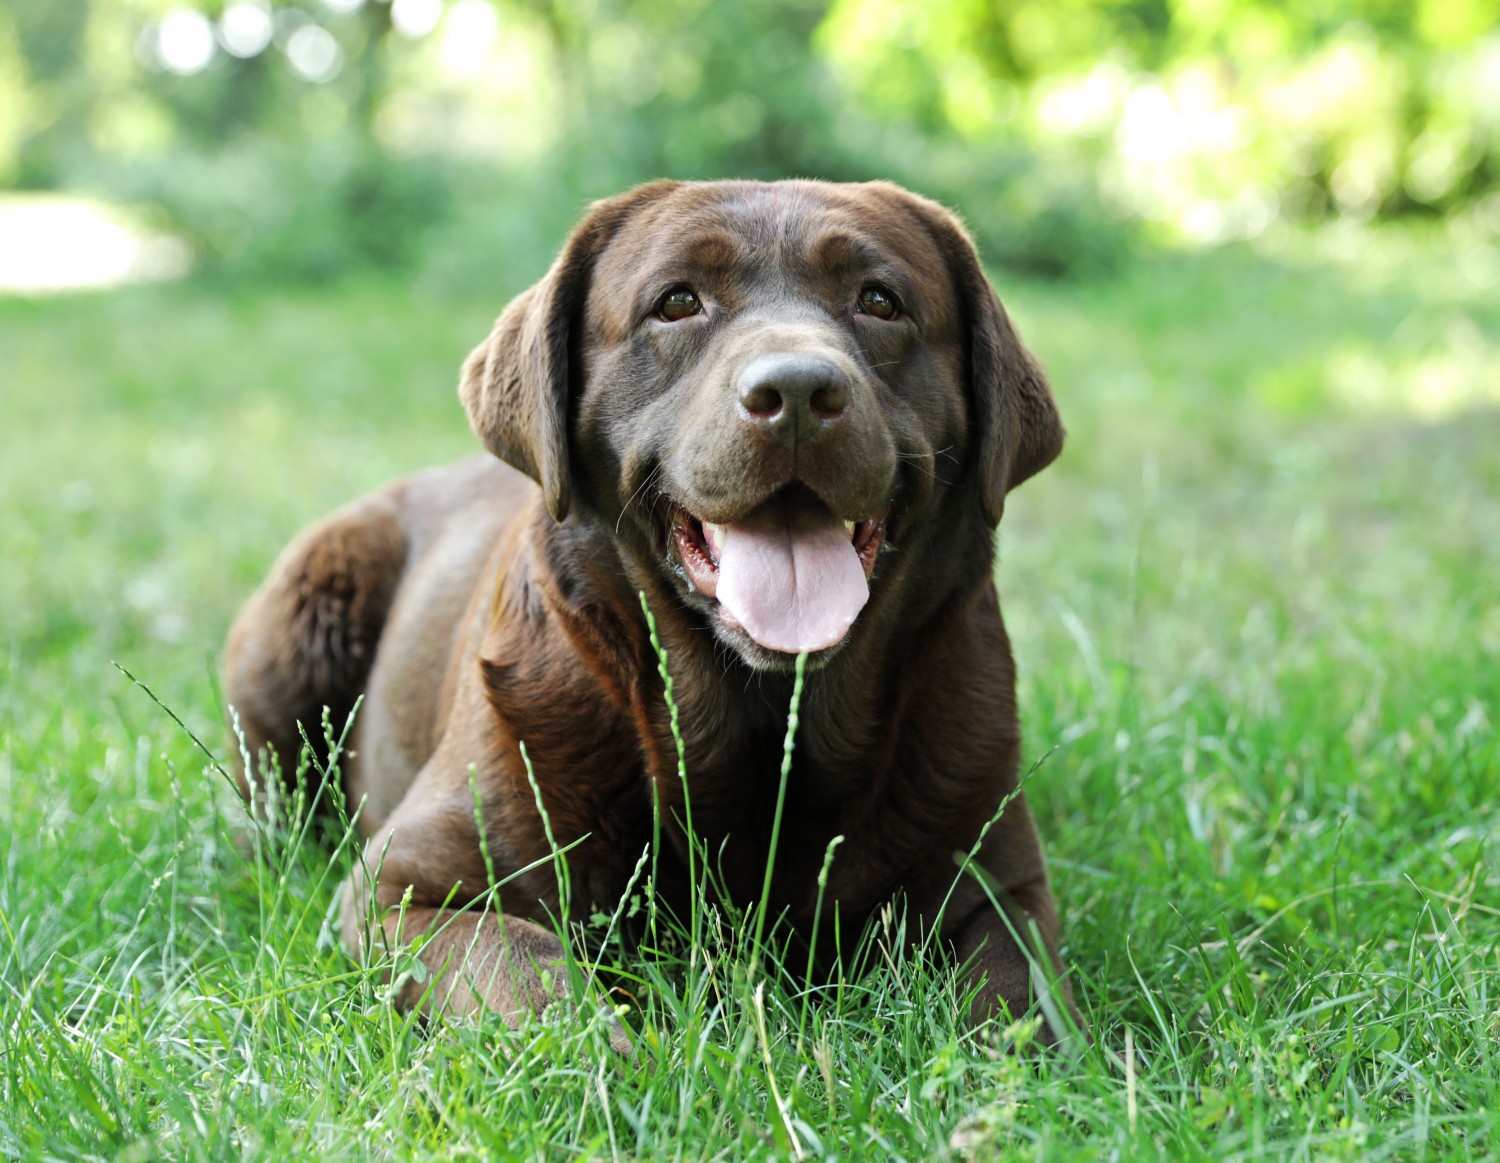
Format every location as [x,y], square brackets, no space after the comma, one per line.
[1256,608]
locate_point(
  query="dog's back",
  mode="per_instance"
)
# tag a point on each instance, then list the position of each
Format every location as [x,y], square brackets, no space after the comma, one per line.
[366,604]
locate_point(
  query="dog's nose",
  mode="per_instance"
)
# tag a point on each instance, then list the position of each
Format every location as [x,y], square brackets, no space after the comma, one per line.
[794,396]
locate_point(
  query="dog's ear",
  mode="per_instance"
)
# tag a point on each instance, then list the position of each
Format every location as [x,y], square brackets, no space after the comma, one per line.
[516,386]
[1020,432]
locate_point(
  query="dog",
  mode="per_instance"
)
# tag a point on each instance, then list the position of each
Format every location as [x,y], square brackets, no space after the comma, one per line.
[788,414]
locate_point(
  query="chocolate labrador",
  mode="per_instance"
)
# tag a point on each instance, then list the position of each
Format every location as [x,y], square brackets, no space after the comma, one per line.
[789,415]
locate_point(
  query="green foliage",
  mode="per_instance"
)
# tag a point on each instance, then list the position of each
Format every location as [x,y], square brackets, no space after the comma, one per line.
[43,91]
[304,210]
[1213,116]
[264,169]
[701,91]
[1031,212]
[1047,123]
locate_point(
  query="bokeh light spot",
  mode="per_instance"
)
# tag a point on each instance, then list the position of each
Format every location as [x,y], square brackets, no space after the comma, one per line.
[314,54]
[245,28]
[414,19]
[468,35]
[185,41]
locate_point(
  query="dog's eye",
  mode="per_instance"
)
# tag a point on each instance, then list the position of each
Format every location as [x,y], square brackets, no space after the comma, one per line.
[879,301]
[678,303]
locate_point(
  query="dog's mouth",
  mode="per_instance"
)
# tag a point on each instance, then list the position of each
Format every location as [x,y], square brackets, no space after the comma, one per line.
[791,574]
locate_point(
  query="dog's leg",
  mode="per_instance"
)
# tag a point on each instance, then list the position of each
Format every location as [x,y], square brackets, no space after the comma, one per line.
[306,640]
[1014,957]
[1012,950]
[476,960]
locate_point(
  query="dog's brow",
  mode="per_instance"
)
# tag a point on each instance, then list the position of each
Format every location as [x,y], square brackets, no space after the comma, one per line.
[712,252]
[839,251]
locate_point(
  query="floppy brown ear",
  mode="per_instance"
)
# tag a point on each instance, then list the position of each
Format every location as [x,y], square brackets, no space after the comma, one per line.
[1020,432]
[517,384]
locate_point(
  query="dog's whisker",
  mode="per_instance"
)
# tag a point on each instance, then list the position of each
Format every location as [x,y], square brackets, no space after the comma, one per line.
[920,456]
[651,478]
[915,459]
[948,452]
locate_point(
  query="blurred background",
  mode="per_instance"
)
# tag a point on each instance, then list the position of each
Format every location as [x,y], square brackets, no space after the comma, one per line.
[266,139]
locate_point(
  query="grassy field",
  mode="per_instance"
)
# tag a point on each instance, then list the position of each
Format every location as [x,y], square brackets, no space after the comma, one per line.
[1256,608]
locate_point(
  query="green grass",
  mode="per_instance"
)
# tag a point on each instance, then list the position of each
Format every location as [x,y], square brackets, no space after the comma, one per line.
[1257,614]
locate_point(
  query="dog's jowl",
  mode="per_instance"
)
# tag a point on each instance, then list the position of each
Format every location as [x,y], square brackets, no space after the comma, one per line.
[787,413]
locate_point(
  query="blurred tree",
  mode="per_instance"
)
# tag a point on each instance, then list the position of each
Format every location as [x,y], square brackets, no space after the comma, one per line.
[44,88]
[1204,110]
[697,90]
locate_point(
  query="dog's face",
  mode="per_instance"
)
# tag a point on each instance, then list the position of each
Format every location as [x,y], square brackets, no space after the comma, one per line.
[765,389]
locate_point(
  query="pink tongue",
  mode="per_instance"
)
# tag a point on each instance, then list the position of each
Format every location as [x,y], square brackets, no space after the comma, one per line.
[790,576]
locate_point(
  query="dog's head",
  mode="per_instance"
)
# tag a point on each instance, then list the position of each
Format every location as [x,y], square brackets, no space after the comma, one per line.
[762,388]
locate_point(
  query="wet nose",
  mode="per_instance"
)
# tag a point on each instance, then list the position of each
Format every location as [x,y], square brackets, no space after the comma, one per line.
[793,396]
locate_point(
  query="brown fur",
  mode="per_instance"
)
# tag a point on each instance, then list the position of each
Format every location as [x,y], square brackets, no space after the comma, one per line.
[476,608]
